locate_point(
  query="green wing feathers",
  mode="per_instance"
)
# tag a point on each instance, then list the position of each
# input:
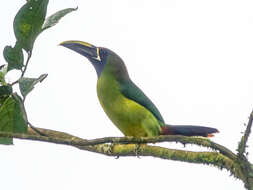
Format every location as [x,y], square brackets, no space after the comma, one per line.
[132,92]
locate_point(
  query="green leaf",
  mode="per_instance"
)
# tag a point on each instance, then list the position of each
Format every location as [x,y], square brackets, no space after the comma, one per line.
[2,100]
[6,141]
[7,128]
[54,19]
[14,57]
[28,22]
[3,72]
[19,117]
[26,85]
[12,117]
[5,90]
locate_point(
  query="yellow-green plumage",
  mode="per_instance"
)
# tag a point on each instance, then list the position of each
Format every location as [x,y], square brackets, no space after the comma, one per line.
[123,102]
[131,118]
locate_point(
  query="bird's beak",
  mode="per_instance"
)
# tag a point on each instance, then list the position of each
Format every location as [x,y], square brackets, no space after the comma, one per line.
[83,48]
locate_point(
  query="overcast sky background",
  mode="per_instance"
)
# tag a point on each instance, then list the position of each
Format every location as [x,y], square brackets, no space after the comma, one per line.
[192,58]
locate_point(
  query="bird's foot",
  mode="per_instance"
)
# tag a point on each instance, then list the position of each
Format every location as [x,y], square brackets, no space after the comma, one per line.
[137,150]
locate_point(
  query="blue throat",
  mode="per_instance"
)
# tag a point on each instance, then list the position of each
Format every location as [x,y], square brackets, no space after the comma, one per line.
[99,66]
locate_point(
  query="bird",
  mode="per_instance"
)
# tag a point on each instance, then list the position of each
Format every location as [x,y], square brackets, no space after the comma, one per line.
[126,105]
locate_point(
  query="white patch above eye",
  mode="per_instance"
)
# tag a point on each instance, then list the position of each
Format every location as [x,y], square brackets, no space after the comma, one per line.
[98,56]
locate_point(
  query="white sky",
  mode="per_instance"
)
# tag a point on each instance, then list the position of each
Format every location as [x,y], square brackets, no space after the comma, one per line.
[192,58]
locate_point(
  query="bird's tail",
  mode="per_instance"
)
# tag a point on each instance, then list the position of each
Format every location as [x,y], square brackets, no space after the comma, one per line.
[188,130]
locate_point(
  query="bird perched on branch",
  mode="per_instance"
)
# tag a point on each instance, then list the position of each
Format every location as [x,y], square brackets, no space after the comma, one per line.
[123,102]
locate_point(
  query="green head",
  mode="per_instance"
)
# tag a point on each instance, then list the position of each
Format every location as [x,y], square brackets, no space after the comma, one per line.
[101,58]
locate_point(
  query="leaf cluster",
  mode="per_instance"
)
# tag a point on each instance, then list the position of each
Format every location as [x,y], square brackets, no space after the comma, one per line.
[28,24]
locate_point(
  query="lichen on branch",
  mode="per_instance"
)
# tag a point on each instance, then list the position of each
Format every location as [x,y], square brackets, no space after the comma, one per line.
[220,156]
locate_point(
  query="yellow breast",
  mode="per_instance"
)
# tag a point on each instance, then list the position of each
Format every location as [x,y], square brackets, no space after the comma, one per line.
[131,118]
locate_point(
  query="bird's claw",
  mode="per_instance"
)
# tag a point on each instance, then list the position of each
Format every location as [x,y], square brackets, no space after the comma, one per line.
[137,148]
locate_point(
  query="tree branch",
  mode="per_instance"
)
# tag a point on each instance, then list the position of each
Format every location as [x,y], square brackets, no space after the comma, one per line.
[243,143]
[131,146]
[67,139]
[127,149]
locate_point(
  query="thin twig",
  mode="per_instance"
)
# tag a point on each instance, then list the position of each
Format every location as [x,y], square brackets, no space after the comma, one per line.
[26,64]
[36,129]
[25,68]
[15,82]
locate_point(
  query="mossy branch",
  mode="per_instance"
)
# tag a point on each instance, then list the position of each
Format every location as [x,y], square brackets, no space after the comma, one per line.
[243,143]
[67,139]
[120,146]
[220,157]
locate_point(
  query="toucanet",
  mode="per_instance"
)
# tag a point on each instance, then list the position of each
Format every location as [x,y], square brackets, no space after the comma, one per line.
[124,103]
